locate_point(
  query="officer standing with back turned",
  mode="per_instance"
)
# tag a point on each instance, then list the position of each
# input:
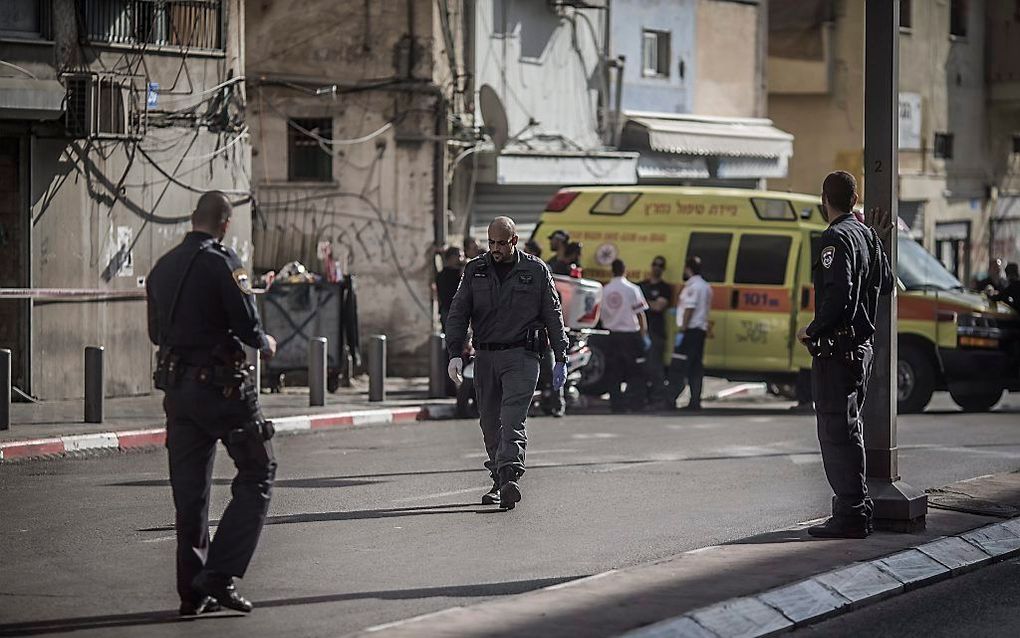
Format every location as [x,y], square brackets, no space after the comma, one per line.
[850,272]
[200,311]
[509,299]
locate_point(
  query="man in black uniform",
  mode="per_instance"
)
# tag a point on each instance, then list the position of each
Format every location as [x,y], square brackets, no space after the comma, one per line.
[850,272]
[509,299]
[200,311]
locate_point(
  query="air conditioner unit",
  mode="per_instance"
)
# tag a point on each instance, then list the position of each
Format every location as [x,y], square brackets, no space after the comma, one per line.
[101,106]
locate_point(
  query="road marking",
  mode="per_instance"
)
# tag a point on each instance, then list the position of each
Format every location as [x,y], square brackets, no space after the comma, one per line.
[805,459]
[762,419]
[483,455]
[408,621]
[437,495]
[159,540]
[595,435]
[578,581]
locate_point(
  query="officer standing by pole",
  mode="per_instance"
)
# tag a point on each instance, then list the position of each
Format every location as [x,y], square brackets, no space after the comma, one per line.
[850,272]
[200,312]
[509,299]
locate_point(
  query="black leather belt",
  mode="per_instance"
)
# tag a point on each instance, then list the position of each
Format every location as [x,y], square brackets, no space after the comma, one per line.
[501,346]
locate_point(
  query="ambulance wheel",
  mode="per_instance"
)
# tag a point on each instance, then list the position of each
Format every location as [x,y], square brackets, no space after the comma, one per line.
[466,408]
[979,401]
[915,379]
[593,375]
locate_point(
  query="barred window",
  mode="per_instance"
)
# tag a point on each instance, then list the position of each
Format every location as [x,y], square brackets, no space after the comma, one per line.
[193,24]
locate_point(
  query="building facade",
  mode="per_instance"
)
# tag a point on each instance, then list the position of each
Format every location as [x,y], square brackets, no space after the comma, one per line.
[350,113]
[957,122]
[114,116]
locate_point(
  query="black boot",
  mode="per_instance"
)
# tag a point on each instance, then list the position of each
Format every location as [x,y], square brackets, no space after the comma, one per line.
[492,496]
[220,588]
[509,491]
[841,528]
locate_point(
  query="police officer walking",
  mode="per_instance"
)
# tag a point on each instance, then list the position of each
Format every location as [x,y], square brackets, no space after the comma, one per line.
[508,298]
[200,311]
[850,272]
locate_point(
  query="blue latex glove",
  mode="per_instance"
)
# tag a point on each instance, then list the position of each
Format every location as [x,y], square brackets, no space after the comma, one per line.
[647,341]
[559,375]
[678,340]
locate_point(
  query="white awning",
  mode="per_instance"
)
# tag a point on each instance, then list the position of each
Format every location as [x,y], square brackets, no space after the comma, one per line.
[706,136]
[29,99]
[560,168]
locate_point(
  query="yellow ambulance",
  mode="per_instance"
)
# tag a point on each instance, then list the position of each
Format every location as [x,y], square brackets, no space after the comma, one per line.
[757,249]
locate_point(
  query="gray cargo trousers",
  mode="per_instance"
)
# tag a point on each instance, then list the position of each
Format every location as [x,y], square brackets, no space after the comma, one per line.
[505,382]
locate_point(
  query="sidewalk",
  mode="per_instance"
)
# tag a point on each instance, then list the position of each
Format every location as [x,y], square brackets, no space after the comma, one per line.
[758,586]
[56,427]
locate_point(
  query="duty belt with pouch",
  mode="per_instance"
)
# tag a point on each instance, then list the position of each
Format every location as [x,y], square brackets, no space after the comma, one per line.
[536,340]
[169,369]
[842,343]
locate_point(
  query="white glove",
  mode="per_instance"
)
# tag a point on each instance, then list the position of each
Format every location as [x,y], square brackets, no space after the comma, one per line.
[456,370]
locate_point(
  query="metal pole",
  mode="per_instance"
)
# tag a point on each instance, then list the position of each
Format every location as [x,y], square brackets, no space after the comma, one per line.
[317,371]
[437,366]
[377,368]
[898,506]
[95,384]
[5,389]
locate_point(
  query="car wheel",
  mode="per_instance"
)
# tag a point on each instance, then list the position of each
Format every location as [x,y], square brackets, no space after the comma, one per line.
[915,379]
[978,401]
[593,375]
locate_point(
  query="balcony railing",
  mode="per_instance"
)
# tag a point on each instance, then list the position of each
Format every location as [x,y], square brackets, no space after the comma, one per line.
[188,24]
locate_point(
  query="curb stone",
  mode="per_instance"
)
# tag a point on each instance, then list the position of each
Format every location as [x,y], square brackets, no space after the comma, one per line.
[80,445]
[843,589]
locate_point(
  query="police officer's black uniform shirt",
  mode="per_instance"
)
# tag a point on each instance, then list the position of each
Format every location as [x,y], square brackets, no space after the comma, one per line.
[848,279]
[216,305]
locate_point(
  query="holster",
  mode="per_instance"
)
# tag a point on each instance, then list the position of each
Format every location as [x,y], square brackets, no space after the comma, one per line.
[256,427]
[536,340]
[168,371]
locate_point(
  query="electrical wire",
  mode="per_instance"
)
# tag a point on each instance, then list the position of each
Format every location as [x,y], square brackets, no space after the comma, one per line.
[223,148]
[189,187]
[328,141]
[18,68]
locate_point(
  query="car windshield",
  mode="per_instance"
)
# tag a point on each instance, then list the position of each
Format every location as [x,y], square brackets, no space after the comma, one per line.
[919,270]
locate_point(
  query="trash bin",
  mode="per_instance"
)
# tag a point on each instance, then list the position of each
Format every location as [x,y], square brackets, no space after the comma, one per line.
[295,313]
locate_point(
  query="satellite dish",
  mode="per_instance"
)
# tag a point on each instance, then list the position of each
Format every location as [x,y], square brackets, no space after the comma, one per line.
[493,116]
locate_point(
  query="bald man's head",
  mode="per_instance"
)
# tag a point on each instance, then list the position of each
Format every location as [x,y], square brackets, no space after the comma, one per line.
[212,214]
[502,238]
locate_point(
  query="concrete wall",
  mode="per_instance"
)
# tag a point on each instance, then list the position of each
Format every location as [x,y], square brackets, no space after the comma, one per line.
[673,94]
[81,220]
[378,210]
[728,64]
[543,64]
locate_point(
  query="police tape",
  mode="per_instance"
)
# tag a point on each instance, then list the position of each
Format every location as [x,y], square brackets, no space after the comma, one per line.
[69,293]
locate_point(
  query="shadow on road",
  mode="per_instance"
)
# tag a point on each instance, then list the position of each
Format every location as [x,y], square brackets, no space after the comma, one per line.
[142,619]
[323,482]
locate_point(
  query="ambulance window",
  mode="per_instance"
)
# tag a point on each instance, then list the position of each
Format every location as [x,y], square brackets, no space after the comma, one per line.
[771,209]
[761,259]
[714,250]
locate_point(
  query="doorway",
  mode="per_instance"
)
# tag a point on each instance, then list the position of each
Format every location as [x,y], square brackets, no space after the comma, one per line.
[14,256]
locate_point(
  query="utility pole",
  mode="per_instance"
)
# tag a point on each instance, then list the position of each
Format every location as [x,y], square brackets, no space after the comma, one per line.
[898,506]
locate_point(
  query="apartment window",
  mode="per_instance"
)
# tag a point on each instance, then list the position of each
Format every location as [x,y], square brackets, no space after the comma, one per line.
[25,19]
[958,18]
[655,54]
[194,24]
[943,146]
[906,17]
[308,155]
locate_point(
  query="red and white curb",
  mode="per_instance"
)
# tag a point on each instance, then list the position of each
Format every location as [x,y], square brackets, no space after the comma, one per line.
[154,437]
[741,391]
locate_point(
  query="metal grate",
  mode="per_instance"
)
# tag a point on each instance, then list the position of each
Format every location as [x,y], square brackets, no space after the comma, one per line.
[193,24]
[77,117]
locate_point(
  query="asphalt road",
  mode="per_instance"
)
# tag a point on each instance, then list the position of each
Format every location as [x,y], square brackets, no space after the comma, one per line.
[375,524]
[981,603]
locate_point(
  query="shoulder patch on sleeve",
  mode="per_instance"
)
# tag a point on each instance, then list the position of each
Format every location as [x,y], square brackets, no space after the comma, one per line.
[242,281]
[828,254]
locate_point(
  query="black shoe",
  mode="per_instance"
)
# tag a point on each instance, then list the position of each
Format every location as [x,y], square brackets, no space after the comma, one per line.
[690,407]
[509,491]
[492,496]
[221,588]
[834,528]
[205,605]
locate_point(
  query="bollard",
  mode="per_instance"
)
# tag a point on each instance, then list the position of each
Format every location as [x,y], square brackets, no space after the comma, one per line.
[377,368]
[95,386]
[317,371]
[437,366]
[5,389]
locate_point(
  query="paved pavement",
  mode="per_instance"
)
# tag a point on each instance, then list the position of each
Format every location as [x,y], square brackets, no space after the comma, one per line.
[982,603]
[373,525]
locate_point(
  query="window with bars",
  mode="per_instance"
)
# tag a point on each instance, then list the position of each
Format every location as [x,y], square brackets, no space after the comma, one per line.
[192,24]
[30,19]
[308,157]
